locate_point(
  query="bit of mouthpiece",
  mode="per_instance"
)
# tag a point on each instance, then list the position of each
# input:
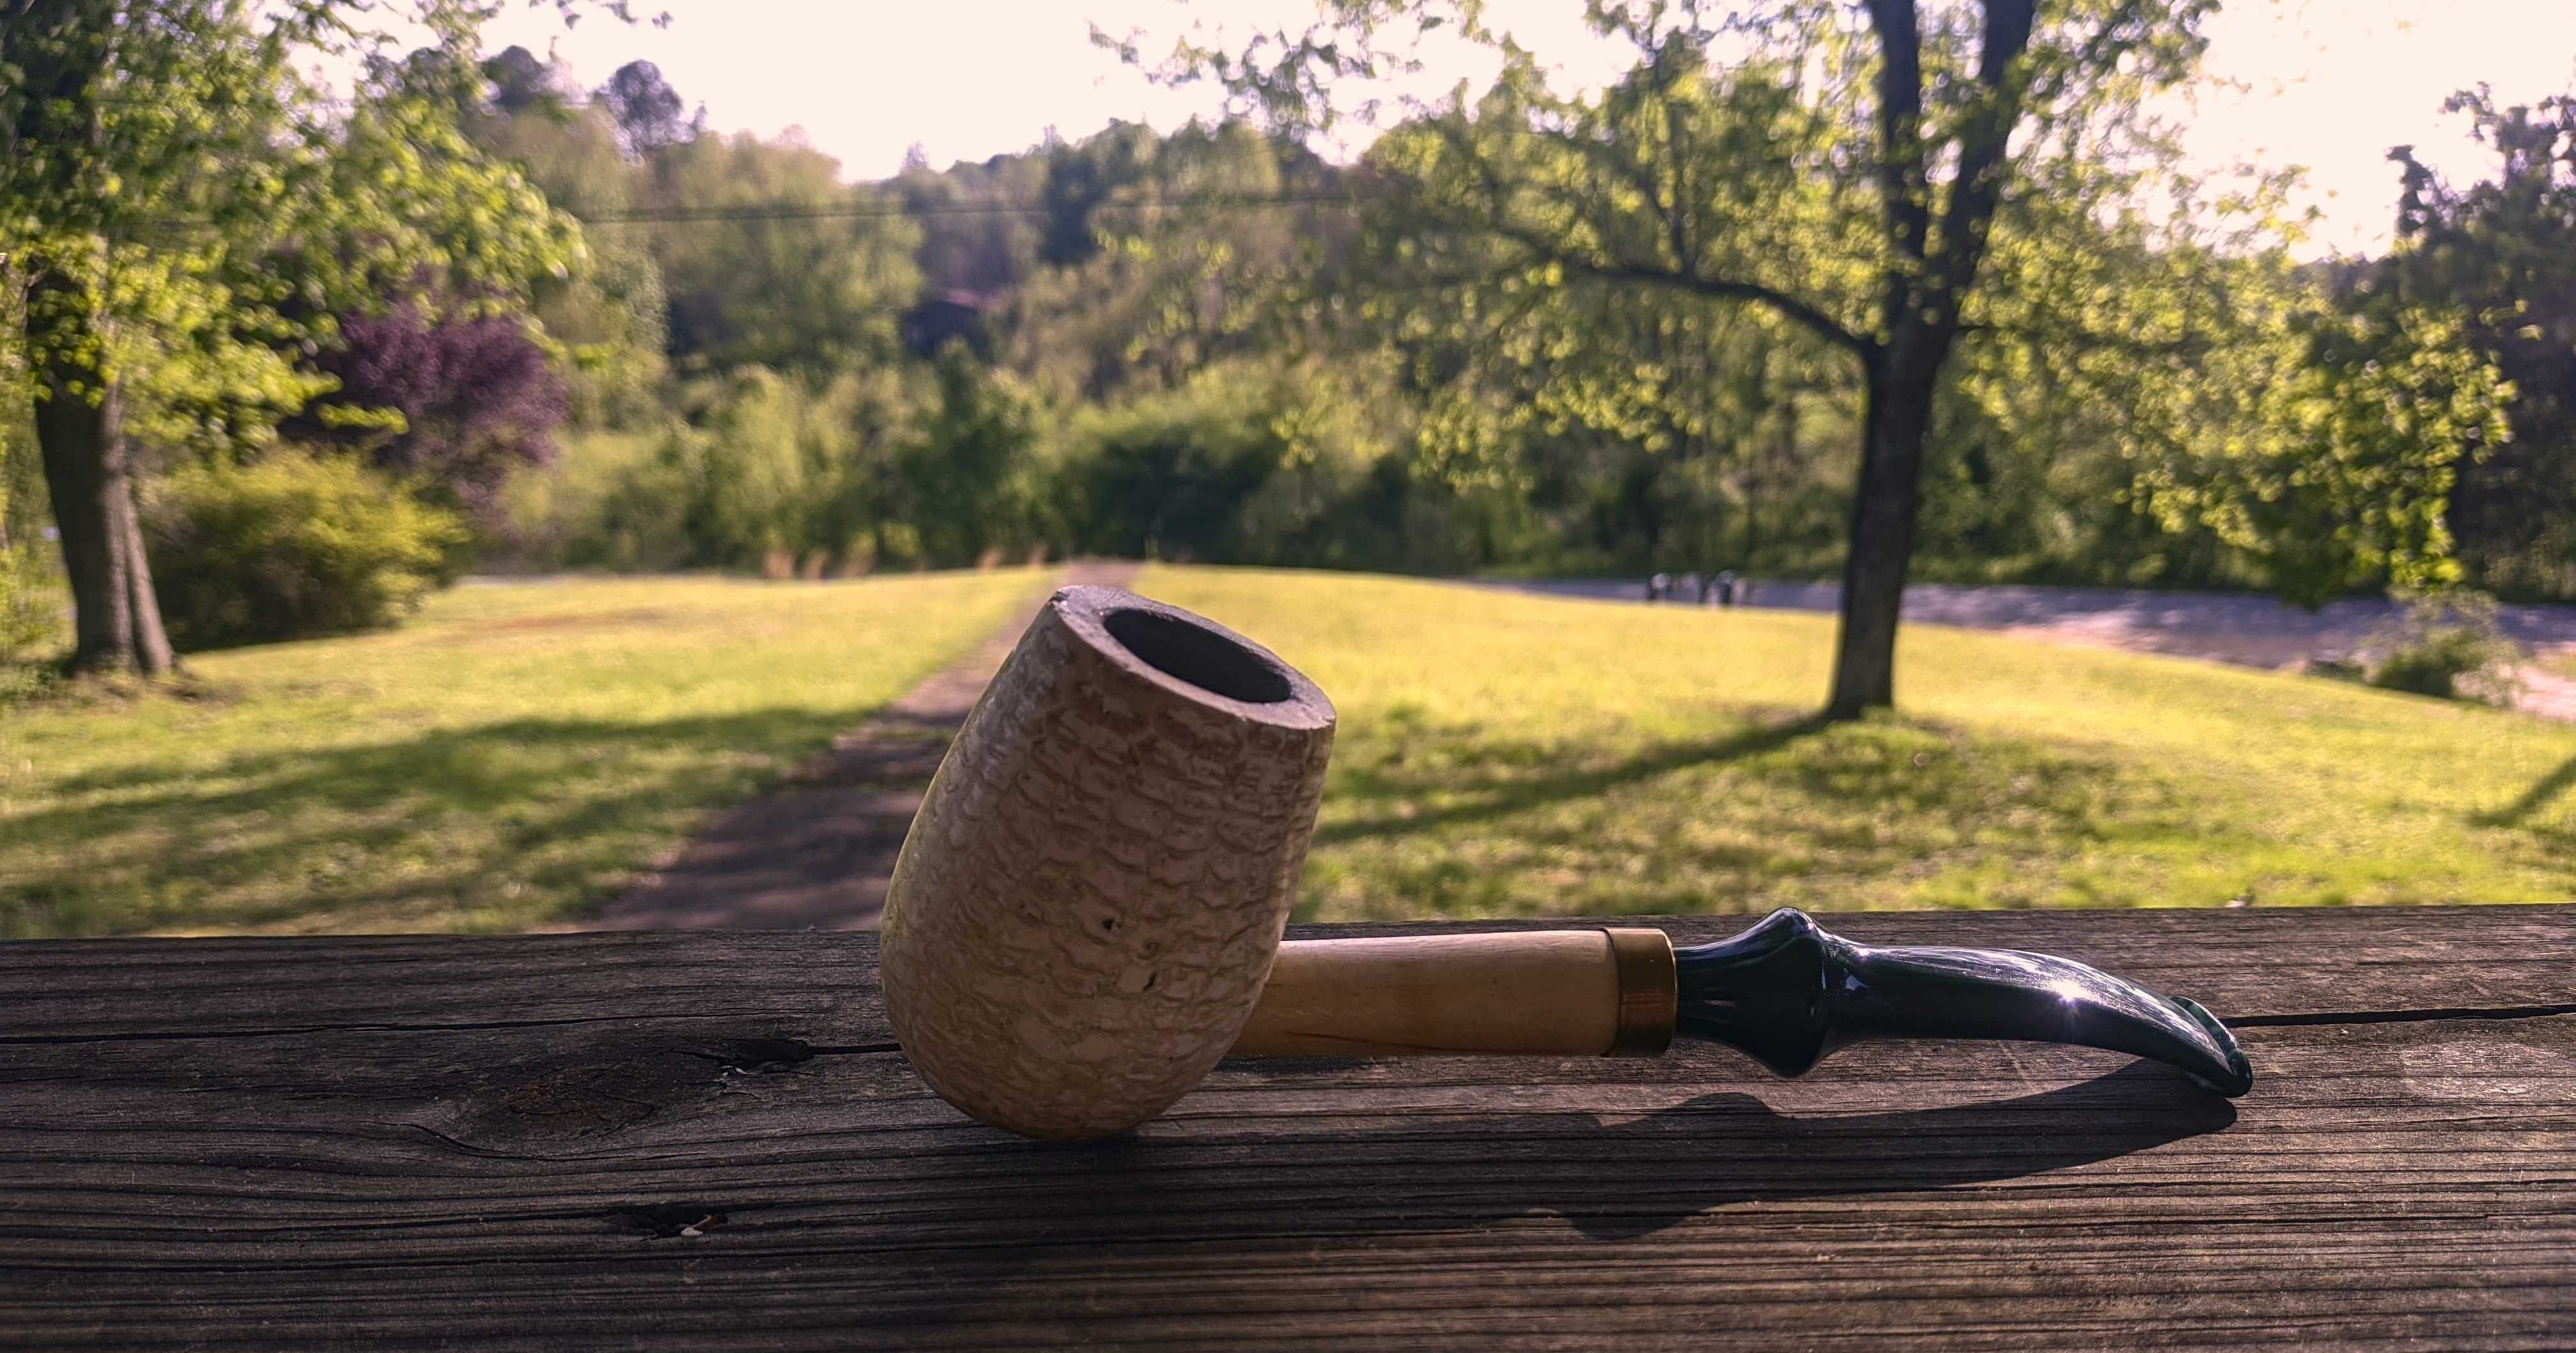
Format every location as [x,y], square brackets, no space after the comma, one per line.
[1788,992]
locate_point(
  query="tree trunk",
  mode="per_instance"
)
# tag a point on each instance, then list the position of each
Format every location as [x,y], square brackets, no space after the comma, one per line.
[80,429]
[1899,416]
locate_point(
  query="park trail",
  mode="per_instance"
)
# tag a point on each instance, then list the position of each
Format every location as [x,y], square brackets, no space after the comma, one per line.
[816,853]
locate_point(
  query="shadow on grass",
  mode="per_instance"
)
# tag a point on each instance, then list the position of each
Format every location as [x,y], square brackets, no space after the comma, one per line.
[1506,797]
[508,819]
[1426,817]
[2543,792]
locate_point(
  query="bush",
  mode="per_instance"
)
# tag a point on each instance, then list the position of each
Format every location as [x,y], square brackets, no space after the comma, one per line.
[1240,465]
[773,473]
[454,406]
[292,546]
[2447,645]
[576,511]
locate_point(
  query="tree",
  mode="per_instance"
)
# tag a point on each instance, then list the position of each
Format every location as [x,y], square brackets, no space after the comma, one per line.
[2190,372]
[964,475]
[647,110]
[768,260]
[1166,285]
[2500,249]
[521,83]
[975,242]
[608,321]
[1838,164]
[174,199]
[1644,430]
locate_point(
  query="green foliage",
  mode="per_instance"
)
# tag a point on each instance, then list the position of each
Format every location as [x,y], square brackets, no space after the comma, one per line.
[769,475]
[790,285]
[186,207]
[977,239]
[1238,465]
[1157,293]
[2497,251]
[546,517]
[2447,644]
[2369,430]
[965,480]
[608,320]
[1634,308]
[2274,436]
[211,207]
[292,546]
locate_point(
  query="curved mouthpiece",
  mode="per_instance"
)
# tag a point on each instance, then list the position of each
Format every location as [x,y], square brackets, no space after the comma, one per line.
[1788,992]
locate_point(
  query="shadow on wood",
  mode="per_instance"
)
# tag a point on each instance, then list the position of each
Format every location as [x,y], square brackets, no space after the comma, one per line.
[1615,1180]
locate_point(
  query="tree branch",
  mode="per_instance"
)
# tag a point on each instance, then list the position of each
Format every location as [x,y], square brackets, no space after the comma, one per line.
[1729,289]
[1717,288]
[1980,183]
[1901,179]
[1682,276]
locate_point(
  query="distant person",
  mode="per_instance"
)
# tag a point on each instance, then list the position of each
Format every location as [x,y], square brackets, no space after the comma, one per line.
[1692,583]
[1659,587]
[1726,588]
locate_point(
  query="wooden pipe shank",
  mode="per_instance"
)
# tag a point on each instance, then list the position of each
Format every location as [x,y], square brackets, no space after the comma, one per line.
[1559,993]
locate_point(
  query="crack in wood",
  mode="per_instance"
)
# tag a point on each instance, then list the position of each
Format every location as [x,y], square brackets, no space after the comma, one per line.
[2428,1015]
[667,1221]
[769,1055]
[300,1030]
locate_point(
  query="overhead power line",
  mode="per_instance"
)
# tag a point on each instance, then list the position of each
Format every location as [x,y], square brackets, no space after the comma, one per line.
[865,211]
[841,211]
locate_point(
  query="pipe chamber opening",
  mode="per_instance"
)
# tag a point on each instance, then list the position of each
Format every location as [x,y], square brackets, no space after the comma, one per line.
[1203,658]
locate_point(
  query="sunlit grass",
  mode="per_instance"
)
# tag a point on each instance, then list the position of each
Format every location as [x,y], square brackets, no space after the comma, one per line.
[520,749]
[1502,754]
[514,752]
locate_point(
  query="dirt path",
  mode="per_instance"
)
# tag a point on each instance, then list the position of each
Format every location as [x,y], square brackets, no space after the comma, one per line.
[815,854]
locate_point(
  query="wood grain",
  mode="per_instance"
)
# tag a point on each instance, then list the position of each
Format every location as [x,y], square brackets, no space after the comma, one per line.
[708,1141]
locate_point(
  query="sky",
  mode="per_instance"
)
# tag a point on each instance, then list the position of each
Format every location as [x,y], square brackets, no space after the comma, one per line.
[2326,84]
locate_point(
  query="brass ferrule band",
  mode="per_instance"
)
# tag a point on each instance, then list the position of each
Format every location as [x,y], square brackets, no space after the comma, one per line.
[1649,991]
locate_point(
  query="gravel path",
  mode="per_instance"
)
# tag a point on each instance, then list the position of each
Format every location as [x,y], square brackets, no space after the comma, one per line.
[2233,627]
[816,853]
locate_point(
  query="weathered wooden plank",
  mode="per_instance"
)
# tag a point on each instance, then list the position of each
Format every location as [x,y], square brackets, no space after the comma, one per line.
[707,1141]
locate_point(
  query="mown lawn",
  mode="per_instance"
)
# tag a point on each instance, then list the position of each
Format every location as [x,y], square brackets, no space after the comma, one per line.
[515,751]
[1502,754]
[522,748]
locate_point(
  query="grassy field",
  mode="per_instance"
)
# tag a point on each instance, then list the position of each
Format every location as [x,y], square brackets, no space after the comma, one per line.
[1510,755]
[513,752]
[521,748]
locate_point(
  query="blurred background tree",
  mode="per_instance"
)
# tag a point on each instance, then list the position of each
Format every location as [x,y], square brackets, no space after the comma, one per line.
[1746,305]
[2504,251]
[1847,169]
[185,213]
